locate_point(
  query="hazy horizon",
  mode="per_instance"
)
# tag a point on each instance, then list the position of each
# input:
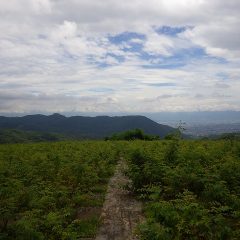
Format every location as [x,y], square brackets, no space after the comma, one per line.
[169,118]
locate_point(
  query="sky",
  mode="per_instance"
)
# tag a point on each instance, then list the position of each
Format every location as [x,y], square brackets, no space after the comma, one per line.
[119,56]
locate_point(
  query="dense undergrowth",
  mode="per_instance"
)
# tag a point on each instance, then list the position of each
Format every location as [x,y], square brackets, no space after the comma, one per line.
[53,190]
[191,189]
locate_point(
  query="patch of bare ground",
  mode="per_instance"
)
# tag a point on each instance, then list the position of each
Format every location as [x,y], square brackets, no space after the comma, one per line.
[121,212]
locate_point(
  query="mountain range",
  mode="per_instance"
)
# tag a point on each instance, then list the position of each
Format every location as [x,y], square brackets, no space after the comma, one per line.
[84,127]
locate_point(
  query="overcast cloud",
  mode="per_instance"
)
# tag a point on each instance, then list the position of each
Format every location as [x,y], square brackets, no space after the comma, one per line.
[119,56]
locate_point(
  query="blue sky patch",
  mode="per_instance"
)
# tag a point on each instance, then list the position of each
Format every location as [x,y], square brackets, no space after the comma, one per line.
[180,58]
[125,36]
[170,31]
[133,47]
[119,58]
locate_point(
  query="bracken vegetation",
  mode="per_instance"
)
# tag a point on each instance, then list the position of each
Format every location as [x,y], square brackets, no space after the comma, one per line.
[53,190]
[191,189]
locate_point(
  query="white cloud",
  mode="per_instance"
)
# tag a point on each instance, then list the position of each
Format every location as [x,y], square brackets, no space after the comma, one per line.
[158,44]
[65,31]
[221,40]
[51,53]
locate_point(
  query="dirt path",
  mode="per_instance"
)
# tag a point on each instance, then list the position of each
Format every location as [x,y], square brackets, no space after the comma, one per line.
[121,212]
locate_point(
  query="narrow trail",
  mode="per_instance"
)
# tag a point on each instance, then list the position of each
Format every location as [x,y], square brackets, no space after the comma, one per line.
[121,212]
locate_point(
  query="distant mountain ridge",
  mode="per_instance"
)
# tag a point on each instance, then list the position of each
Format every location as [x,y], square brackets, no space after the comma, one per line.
[84,127]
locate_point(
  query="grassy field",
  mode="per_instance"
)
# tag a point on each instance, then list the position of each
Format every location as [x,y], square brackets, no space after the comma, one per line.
[190,189]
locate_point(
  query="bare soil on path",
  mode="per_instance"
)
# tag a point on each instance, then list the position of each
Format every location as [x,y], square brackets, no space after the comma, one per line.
[121,212]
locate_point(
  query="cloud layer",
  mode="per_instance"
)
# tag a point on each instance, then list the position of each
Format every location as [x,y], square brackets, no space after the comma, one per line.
[109,56]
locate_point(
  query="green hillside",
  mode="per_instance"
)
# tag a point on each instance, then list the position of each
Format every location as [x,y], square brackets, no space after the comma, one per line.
[20,136]
[84,127]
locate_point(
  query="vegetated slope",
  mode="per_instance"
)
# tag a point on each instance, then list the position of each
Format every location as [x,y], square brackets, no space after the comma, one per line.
[84,127]
[22,136]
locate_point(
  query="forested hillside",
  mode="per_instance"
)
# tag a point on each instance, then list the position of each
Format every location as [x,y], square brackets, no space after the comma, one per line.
[20,136]
[84,127]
